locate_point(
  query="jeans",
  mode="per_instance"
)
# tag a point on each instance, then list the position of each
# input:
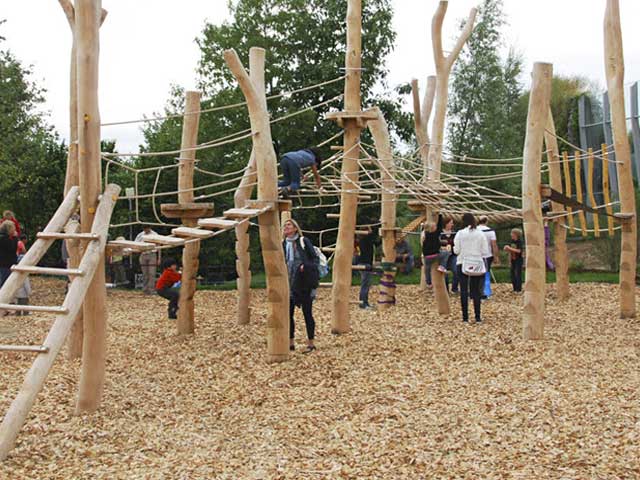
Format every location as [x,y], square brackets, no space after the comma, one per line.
[470,286]
[305,301]
[173,295]
[290,173]
[516,274]
[4,274]
[442,258]
[365,284]
[453,268]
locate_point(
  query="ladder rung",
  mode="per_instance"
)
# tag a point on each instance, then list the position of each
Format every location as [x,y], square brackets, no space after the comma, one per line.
[325,285]
[163,240]
[216,223]
[328,249]
[24,348]
[136,246]
[333,215]
[33,308]
[71,272]
[187,232]
[243,212]
[68,236]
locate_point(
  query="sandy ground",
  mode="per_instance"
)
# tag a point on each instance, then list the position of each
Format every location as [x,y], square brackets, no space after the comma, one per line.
[405,395]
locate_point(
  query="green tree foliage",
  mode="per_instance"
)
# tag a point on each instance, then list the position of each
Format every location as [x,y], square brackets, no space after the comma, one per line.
[305,45]
[32,157]
[485,113]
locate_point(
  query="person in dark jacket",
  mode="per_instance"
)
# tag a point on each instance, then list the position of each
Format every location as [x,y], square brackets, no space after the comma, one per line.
[432,248]
[302,265]
[8,249]
[366,244]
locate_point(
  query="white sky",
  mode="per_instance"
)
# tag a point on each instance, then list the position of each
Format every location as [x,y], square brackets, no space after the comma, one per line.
[146,45]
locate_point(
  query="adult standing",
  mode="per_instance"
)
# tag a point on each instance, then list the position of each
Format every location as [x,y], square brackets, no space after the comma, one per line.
[492,254]
[8,249]
[471,246]
[302,265]
[367,243]
[148,263]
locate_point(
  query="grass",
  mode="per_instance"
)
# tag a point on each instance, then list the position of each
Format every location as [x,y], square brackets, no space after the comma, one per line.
[501,275]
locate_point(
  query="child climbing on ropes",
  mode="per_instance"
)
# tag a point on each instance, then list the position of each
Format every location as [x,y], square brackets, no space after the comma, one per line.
[292,164]
[432,247]
[165,286]
[515,252]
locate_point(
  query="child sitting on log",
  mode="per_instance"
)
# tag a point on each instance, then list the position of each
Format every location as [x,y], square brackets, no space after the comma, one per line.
[432,247]
[165,285]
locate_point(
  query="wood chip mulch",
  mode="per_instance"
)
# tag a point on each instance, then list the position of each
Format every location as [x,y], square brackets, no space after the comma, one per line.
[405,395]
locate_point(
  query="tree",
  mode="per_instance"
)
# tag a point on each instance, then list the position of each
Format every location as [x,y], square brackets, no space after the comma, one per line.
[305,45]
[32,157]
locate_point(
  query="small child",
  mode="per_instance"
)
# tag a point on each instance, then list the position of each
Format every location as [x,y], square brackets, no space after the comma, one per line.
[24,292]
[165,285]
[433,248]
[515,252]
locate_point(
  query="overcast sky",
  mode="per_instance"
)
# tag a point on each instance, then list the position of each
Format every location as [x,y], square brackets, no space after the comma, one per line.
[147,45]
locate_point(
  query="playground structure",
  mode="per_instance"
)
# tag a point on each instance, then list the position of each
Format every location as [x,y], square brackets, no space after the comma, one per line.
[392,178]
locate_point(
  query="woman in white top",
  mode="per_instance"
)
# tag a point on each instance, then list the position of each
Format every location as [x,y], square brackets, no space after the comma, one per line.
[470,243]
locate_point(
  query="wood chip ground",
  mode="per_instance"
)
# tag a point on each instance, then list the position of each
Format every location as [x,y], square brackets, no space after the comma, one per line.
[405,395]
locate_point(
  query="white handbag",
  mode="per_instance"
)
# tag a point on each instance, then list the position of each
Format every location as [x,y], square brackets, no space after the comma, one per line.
[473,266]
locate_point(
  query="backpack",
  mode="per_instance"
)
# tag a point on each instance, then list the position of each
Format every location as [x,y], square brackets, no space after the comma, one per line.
[323,263]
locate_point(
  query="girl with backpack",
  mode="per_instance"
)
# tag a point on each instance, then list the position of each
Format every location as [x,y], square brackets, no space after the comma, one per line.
[302,265]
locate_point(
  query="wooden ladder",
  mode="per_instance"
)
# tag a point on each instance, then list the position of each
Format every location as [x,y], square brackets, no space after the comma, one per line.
[65,314]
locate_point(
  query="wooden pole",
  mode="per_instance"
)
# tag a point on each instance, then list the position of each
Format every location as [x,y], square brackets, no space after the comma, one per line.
[443,71]
[567,189]
[74,248]
[421,115]
[270,233]
[590,194]
[579,197]
[191,251]
[240,199]
[341,275]
[88,18]
[614,66]
[534,288]
[606,189]
[380,133]
[561,257]
[444,64]
[80,287]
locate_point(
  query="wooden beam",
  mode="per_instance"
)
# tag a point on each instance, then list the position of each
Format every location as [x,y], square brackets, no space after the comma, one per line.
[561,257]
[590,194]
[269,221]
[606,190]
[567,188]
[578,171]
[190,261]
[614,66]
[537,119]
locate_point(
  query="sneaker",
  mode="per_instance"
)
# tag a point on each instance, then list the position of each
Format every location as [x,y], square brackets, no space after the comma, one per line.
[363,306]
[478,320]
[441,269]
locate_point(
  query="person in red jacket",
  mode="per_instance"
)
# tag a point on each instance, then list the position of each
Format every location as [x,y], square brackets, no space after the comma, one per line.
[165,285]
[8,215]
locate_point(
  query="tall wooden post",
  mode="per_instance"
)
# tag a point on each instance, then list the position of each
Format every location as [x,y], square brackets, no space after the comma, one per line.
[240,199]
[191,251]
[444,64]
[614,64]
[421,115]
[380,133]
[561,257]
[74,249]
[270,234]
[352,124]
[88,17]
[537,119]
